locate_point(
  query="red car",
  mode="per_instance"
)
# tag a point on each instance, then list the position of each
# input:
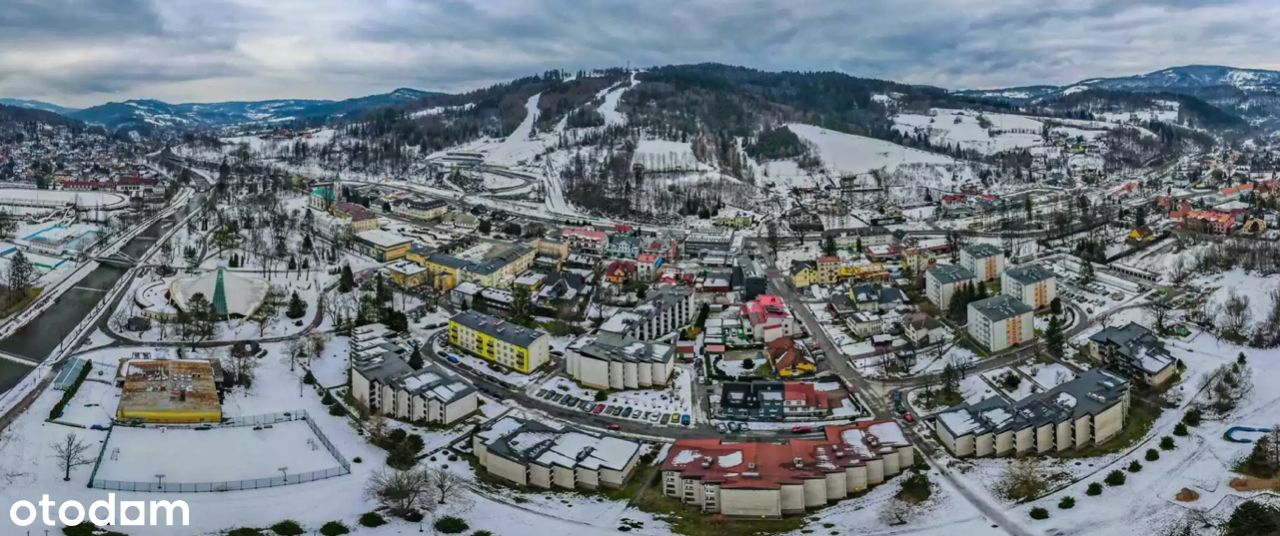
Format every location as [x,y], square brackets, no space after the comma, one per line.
[801,429]
[908,417]
[614,426]
[599,408]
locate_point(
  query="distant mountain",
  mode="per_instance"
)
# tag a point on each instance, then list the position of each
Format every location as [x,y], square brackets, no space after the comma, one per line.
[37,105]
[1250,94]
[24,114]
[147,114]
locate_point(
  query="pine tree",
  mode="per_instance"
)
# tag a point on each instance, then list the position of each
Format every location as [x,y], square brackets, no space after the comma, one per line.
[415,358]
[1053,339]
[296,308]
[347,281]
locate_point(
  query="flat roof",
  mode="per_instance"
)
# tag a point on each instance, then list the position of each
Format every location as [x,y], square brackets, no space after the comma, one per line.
[1030,273]
[168,386]
[381,238]
[950,273]
[1000,307]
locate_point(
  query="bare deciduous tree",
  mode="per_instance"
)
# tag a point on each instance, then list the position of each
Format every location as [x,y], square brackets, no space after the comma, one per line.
[402,491]
[1234,315]
[71,452]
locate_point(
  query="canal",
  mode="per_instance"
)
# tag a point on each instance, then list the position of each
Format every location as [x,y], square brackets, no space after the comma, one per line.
[38,338]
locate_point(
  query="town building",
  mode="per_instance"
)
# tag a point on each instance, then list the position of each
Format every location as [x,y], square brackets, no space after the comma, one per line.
[828,269]
[407,274]
[358,218]
[770,318]
[384,383]
[609,361]
[515,347]
[784,477]
[772,401]
[382,246]
[942,282]
[1034,284]
[922,329]
[876,297]
[535,454]
[1000,322]
[431,209]
[789,359]
[664,310]
[1080,413]
[497,270]
[986,261]
[584,239]
[1134,351]
[804,273]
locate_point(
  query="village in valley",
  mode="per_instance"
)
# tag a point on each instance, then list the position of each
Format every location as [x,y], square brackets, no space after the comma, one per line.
[1017,331]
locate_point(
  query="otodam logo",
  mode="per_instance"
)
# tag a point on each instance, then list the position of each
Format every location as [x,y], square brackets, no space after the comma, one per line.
[102,513]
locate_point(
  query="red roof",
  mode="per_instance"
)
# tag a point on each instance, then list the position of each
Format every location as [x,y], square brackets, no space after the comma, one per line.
[784,354]
[768,465]
[356,212]
[583,232]
[828,259]
[764,308]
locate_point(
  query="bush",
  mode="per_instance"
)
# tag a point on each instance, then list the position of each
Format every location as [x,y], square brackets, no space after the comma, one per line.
[1115,478]
[1094,490]
[67,395]
[288,527]
[244,531]
[601,396]
[336,410]
[372,519]
[334,528]
[308,378]
[357,459]
[1134,466]
[1153,455]
[1180,429]
[327,399]
[451,525]
[1192,418]
[481,533]
[1067,503]
[1166,443]
[1039,513]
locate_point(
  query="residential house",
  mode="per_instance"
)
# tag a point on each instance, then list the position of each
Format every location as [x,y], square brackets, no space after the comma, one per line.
[986,261]
[942,282]
[1000,322]
[1034,284]
[1135,351]
[539,455]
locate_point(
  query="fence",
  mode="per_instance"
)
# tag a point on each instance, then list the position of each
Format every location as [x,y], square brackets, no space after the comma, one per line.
[344,467]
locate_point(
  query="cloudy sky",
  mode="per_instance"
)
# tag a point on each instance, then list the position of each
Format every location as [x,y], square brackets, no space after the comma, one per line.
[84,52]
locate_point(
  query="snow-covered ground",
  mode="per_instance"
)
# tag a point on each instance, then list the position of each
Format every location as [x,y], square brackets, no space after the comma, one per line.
[676,398]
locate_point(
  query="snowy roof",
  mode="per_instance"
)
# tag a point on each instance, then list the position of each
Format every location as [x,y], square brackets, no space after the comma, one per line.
[533,442]
[1030,273]
[950,273]
[614,347]
[1000,307]
[498,328]
[382,238]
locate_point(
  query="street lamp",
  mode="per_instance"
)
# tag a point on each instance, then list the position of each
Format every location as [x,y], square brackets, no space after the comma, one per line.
[284,473]
[160,480]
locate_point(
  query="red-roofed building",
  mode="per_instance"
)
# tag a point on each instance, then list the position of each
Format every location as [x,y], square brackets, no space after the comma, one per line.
[137,186]
[361,219]
[773,479]
[584,239]
[828,269]
[84,186]
[620,272]
[770,318]
[1210,221]
[789,359]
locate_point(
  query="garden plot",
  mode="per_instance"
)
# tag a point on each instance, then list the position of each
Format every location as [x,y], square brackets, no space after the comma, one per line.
[1048,375]
[220,454]
[1021,387]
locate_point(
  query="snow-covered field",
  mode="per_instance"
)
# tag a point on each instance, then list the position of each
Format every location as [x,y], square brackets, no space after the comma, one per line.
[949,127]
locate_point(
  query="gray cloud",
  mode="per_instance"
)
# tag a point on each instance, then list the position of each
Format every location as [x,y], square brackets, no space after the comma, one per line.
[82,52]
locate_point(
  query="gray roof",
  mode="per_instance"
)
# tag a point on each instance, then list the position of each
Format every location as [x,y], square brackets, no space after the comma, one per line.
[1030,273]
[448,260]
[615,347]
[496,262]
[498,328]
[1090,393]
[950,273]
[982,250]
[1000,307]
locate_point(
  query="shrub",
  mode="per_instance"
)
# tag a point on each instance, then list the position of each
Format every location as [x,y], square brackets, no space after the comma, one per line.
[288,527]
[1039,513]
[357,459]
[334,528]
[481,533]
[1067,503]
[68,394]
[1192,418]
[1094,490]
[244,531]
[309,378]
[1180,429]
[336,410]
[327,399]
[1153,455]
[1134,466]
[372,519]
[1114,478]
[1166,443]
[451,525]
[601,396]
[85,528]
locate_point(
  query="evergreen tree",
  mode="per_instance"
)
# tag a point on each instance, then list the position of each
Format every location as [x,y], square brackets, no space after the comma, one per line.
[296,308]
[521,307]
[415,358]
[829,245]
[1053,338]
[347,281]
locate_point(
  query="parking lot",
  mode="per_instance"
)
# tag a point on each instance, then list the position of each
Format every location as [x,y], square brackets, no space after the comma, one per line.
[670,406]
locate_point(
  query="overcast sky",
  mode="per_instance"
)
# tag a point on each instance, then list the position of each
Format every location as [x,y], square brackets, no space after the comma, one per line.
[84,52]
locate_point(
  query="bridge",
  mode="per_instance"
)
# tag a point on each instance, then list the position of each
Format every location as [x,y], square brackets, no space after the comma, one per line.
[18,359]
[119,258]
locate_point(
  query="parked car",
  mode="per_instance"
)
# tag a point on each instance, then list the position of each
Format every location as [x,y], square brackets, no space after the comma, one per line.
[452,358]
[614,426]
[909,417]
[626,412]
[675,418]
[615,410]
[653,417]
[685,419]
[720,427]
[665,419]
[599,408]
[801,429]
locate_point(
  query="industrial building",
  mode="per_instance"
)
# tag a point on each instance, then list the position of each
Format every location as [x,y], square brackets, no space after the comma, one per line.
[169,391]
